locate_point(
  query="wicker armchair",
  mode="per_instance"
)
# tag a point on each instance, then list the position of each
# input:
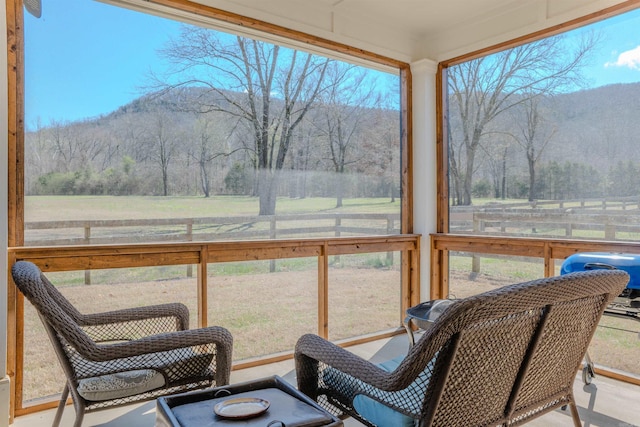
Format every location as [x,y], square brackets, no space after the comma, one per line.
[128,355]
[502,358]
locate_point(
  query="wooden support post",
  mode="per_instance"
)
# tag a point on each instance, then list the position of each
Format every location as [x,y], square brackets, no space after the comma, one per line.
[201,281]
[323,292]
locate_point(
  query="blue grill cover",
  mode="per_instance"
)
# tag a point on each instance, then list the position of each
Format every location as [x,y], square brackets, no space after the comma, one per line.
[599,260]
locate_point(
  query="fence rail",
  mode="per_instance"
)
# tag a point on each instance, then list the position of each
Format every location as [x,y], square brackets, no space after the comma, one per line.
[602,203]
[120,231]
[515,222]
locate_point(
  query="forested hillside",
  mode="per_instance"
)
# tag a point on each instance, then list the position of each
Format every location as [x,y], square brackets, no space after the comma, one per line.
[165,144]
[159,145]
[583,145]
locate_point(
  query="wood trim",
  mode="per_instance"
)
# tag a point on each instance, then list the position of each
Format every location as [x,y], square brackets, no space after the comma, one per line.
[617,375]
[406,150]
[414,279]
[549,264]
[277,30]
[66,258]
[547,32]
[323,292]
[202,281]
[442,157]
[553,248]
[15,192]
[15,121]
[14,345]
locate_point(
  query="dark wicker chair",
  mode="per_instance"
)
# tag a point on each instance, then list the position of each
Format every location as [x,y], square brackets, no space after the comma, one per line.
[501,358]
[128,355]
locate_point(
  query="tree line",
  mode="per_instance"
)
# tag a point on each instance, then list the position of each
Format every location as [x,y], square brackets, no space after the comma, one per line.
[522,125]
[240,116]
[232,115]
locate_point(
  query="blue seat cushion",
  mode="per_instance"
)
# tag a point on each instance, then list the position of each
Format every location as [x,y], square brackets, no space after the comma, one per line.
[373,409]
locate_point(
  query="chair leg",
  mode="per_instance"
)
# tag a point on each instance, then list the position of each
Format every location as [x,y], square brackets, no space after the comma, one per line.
[61,405]
[79,417]
[575,415]
[79,405]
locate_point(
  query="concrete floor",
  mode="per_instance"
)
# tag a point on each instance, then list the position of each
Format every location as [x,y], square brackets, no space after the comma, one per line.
[603,403]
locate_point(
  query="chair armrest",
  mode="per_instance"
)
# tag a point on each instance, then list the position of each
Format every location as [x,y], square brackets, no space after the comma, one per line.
[162,351]
[134,323]
[311,349]
[177,310]
[159,343]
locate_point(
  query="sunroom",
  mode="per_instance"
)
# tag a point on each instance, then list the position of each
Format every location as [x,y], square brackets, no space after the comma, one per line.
[401,152]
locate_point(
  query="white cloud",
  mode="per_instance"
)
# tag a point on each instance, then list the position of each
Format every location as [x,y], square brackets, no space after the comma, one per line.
[628,58]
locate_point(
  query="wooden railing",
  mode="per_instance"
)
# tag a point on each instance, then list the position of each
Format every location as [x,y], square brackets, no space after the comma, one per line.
[72,258]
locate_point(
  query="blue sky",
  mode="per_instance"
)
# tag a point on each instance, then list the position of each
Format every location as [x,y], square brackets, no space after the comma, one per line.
[617,60]
[78,64]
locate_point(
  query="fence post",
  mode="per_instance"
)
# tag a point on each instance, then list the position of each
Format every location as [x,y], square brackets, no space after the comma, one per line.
[389,231]
[338,224]
[478,226]
[189,239]
[87,240]
[272,236]
[610,232]
[475,266]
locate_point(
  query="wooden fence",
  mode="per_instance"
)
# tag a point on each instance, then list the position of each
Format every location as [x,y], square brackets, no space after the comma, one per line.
[606,219]
[204,229]
[119,231]
[554,222]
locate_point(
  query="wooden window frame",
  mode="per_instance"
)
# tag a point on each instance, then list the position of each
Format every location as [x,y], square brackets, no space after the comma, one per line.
[87,257]
[548,249]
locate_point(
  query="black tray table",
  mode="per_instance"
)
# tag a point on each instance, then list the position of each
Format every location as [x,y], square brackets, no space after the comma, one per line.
[288,407]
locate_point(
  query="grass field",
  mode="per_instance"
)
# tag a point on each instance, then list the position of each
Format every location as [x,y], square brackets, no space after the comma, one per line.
[54,208]
[267,311]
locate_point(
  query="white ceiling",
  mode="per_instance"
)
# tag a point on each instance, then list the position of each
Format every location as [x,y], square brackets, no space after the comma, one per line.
[410,30]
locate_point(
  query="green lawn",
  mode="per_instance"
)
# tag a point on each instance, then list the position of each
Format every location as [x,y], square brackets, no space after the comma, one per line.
[52,208]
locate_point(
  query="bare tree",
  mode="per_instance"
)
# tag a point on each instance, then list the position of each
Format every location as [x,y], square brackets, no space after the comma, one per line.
[345,115]
[64,150]
[483,88]
[270,87]
[162,143]
[533,137]
[212,143]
